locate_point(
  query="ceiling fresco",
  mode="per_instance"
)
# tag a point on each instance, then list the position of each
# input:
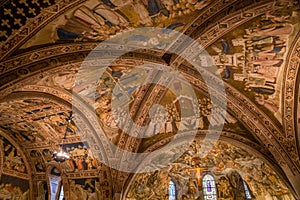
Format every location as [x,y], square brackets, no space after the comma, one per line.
[41,123]
[127,79]
[35,120]
[254,44]
[223,161]
[252,57]
[96,20]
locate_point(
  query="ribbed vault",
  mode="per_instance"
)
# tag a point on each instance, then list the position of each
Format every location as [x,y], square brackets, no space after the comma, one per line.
[38,90]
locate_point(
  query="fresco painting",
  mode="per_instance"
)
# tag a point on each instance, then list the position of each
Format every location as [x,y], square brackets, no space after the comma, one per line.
[13,160]
[98,20]
[252,57]
[118,83]
[227,163]
[81,157]
[42,190]
[14,188]
[40,158]
[45,116]
[88,189]
[181,111]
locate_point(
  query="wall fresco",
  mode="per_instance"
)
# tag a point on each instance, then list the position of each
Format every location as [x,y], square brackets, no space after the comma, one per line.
[225,162]
[81,157]
[13,188]
[12,157]
[85,189]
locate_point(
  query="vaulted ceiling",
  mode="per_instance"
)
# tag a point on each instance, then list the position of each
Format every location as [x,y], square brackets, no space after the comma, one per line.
[254,44]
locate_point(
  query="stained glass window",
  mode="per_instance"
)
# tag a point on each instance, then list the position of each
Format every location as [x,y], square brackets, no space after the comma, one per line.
[209,187]
[172,191]
[247,192]
[53,187]
[61,194]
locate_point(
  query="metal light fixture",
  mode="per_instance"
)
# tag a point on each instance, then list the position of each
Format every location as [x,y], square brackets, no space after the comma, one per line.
[62,156]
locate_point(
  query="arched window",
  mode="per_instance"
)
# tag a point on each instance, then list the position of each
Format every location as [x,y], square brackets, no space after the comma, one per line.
[61,193]
[172,191]
[209,187]
[56,187]
[247,191]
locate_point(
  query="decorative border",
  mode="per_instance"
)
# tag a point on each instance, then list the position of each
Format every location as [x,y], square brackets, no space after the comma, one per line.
[1,160]
[290,99]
